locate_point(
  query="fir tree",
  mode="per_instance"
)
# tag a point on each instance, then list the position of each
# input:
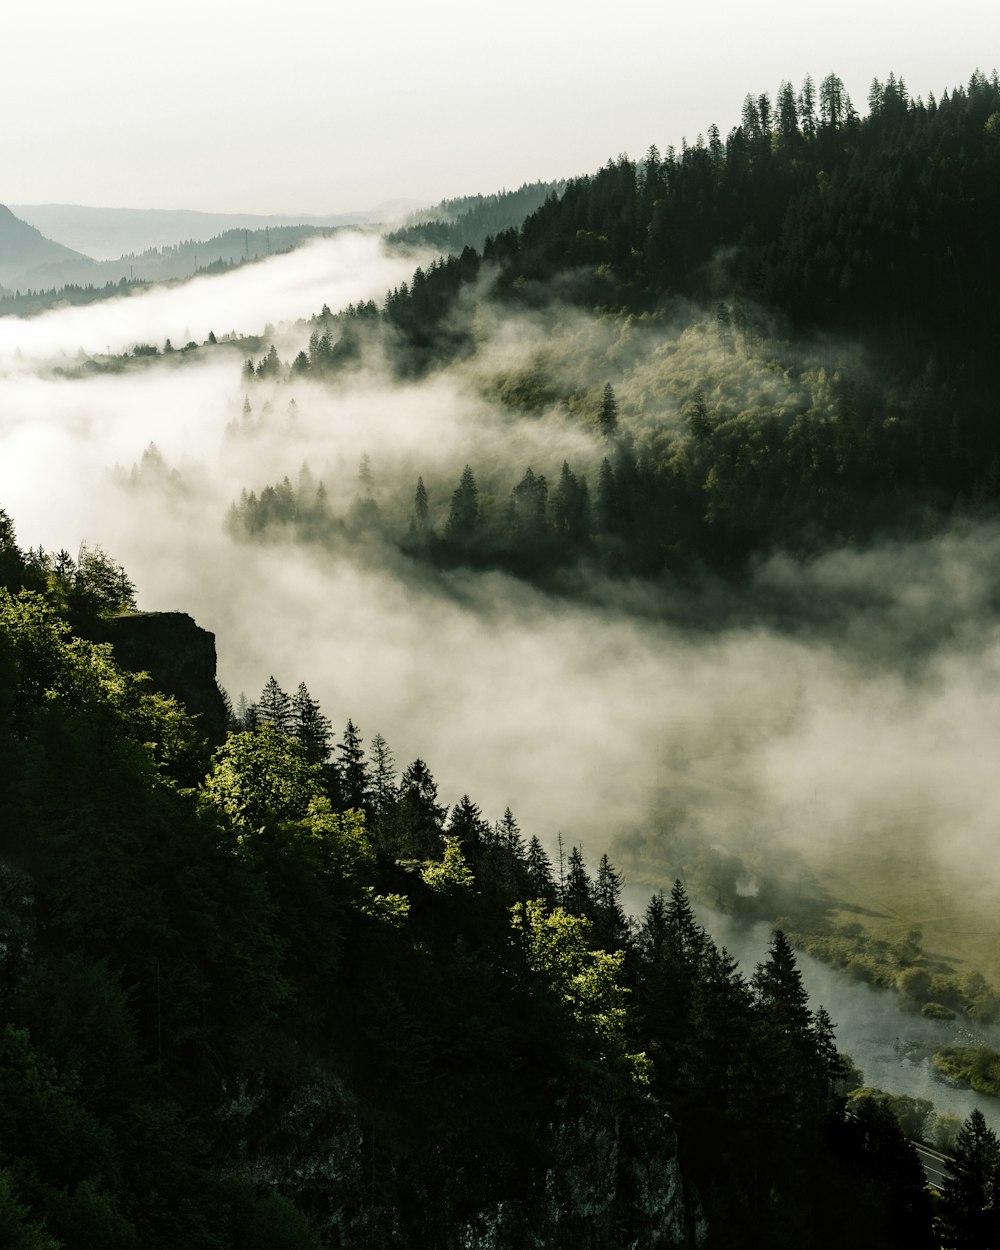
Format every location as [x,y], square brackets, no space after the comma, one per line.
[538,870]
[274,707]
[352,768]
[611,924]
[310,727]
[578,895]
[463,515]
[419,816]
[607,414]
[971,1190]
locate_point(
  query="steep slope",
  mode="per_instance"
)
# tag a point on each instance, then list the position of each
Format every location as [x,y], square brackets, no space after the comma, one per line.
[23,248]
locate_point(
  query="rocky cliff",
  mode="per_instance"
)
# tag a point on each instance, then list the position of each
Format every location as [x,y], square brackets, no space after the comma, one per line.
[178,655]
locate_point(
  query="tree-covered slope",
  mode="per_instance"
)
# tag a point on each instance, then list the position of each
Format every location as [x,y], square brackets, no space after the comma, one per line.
[272,998]
[783,340]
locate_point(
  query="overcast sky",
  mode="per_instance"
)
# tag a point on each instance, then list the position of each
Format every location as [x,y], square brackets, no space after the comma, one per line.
[329,107]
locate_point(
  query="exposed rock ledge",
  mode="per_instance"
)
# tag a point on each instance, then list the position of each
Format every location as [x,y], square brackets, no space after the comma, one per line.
[178,655]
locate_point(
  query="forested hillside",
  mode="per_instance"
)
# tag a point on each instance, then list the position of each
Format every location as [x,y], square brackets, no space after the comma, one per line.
[283,996]
[281,991]
[796,349]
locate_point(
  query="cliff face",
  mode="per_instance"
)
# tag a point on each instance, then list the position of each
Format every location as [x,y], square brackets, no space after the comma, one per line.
[180,658]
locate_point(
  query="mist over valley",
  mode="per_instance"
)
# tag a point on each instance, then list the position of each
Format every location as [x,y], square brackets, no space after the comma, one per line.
[661,523]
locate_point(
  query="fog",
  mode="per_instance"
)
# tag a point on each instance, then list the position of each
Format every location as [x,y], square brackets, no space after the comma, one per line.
[867,724]
[346,267]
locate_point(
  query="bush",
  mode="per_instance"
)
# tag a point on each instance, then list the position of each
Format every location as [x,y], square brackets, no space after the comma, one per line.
[937,1011]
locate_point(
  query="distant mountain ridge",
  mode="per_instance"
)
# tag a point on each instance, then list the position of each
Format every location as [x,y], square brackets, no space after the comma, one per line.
[110,233]
[23,248]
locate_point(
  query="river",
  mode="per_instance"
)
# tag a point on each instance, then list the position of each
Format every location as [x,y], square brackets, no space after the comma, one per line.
[890,1046]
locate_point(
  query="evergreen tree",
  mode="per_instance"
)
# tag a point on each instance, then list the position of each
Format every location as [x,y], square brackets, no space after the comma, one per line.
[352,768]
[570,509]
[310,727]
[971,1191]
[578,894]
[509,834]
[790,1040]
[607,414]
[526,508]
[652,937]
[421,509]
[464,515]
[274,707]
[466,823]
[383,791]
[538,869]
[610,922]
[419,817]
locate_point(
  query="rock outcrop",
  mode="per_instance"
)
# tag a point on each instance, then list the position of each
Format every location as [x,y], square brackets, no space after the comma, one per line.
[178,655]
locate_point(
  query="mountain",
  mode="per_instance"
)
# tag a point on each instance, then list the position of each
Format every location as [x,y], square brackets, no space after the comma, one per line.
[23,248]
[108,233]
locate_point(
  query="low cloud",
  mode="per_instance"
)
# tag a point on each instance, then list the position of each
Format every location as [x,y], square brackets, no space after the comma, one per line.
[831,704]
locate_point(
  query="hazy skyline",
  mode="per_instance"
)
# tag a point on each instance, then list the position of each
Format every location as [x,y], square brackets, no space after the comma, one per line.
[321,109]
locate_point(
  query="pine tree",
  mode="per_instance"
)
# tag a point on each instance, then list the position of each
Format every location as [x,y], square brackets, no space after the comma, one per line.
[790,1041]
[538,869]
[611,924]
[352,768]
[464,515]
[421,509]
[971,1191]
[780,993]
[509,834]
[607,415]
[310,727]
[419,816]
[578,895]
[652,936]
[274,707]
[686,939]
[466,823]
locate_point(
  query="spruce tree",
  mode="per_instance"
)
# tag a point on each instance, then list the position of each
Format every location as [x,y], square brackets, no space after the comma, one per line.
[538,869]
[971,1191]
[310,727]
[419,816]
[383,792]
[611,923]
[352,768]
[607,415]
[464,515]
[578,894]
[274,707]
[421,509]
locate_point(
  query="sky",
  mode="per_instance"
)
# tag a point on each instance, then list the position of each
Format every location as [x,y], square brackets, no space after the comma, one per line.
[324,108]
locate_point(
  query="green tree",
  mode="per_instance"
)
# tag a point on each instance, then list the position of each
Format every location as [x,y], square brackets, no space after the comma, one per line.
[274,708]
[971,1190]
[352,768]
[538,869]
[610,922]
[382,784]
[607,414]
[309,727]
[464,515]
[261,777]
[558,946]
[578,893]
[419,817]
[18,1231]
[467,825]
[100,584]
[421,509]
